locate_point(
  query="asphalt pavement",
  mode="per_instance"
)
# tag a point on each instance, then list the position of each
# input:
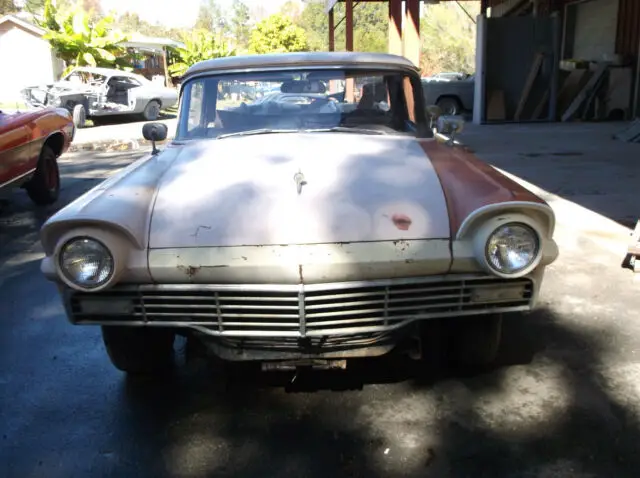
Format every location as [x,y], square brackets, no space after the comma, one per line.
[564,400]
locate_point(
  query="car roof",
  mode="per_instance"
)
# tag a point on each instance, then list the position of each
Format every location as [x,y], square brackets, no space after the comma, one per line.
[107,72]
[300,59]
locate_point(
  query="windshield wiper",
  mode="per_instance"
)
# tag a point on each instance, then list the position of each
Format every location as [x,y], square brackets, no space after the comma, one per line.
[344,129]
[251,132]
[340,129]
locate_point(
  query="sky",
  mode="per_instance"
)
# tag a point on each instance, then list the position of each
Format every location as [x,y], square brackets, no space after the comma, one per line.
[177,14]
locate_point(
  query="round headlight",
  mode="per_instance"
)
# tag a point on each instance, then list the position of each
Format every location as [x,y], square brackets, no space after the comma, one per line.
[512,248]
[86,262]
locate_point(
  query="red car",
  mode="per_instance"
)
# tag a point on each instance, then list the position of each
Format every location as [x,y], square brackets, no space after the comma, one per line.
[30,144]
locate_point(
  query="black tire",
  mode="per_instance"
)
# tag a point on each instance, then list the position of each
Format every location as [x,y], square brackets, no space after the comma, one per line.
[151,111]
[449,106]
[474,341]
[44,187]
[464,344]
[139,350]
[79,116]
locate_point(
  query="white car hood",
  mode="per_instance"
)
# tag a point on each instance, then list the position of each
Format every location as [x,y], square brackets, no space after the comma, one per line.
[241,191]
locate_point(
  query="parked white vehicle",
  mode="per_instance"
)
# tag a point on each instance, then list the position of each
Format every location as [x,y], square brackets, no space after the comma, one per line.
[93,93]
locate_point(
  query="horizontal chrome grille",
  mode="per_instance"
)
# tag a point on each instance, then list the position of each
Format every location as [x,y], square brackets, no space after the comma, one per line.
[302,311]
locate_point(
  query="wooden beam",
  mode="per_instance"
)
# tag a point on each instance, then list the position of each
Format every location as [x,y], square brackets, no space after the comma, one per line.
[533,74]
[349,24]
[411,33]
[582,96]
[395,27]
[332,31]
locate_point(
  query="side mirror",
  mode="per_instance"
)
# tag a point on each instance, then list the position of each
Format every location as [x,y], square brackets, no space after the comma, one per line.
[434,112]
[155,132]
[450,126]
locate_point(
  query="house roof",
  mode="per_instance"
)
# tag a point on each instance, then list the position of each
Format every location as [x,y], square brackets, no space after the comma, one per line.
[30,27]
[137,40]
[302,60]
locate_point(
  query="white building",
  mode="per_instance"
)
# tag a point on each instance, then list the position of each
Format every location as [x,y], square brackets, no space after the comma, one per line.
[26,58]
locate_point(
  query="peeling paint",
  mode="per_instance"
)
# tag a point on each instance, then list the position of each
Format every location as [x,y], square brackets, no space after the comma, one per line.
[300,274]
[192,271]
[402,245]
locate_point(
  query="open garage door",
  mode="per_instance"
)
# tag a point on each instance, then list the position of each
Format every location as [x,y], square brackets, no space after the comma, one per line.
[517,68]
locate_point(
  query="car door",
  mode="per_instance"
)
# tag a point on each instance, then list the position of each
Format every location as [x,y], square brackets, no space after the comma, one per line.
[16,155]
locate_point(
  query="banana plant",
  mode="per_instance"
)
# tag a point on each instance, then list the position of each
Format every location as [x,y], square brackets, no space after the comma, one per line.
[80,42]
[198,46]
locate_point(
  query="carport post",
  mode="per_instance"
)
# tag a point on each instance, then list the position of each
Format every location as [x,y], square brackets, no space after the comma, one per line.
[411,35]
[395,27]
[349,24]
[349,84]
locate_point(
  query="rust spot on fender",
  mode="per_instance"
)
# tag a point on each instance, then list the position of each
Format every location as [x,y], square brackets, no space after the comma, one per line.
[190,271]
[401,221]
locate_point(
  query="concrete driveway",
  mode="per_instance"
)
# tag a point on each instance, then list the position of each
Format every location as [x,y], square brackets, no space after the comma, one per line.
[563,402]
[125,135]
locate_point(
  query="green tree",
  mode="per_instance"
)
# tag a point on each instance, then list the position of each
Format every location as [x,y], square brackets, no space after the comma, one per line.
[370,26]
[448,38]
[316,26]
[200,45]
[211,17]
[277,34]
[291,9]
[7,6]
[82,42]
[240,24]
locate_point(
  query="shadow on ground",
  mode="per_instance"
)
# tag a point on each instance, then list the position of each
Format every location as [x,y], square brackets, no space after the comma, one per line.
[487,425]
[581,162]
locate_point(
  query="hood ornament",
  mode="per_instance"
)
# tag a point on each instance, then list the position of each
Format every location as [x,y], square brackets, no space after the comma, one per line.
[300,181]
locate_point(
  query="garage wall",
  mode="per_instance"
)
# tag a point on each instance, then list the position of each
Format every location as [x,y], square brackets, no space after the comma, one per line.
[28,65]
[596,24]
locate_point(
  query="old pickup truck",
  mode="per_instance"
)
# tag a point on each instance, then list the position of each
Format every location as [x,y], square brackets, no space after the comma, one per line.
[452,97]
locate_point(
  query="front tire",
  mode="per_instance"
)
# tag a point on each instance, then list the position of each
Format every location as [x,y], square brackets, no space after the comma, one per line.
[464,344]
[44,186]
[151,111]
[79,116]
[474,342]
[139,350]
[449,106]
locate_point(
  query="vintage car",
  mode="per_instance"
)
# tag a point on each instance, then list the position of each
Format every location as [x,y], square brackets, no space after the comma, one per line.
[301,237]
[98,93]
[453,97]
[30,143]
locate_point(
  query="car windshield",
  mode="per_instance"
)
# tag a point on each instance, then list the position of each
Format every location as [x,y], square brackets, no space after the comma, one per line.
[281,101]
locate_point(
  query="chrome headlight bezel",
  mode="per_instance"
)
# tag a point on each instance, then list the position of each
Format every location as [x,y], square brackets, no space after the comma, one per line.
[490,228]
[69,279]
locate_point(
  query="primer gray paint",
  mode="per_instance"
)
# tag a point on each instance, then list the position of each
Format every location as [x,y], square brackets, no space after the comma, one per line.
[241,191]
